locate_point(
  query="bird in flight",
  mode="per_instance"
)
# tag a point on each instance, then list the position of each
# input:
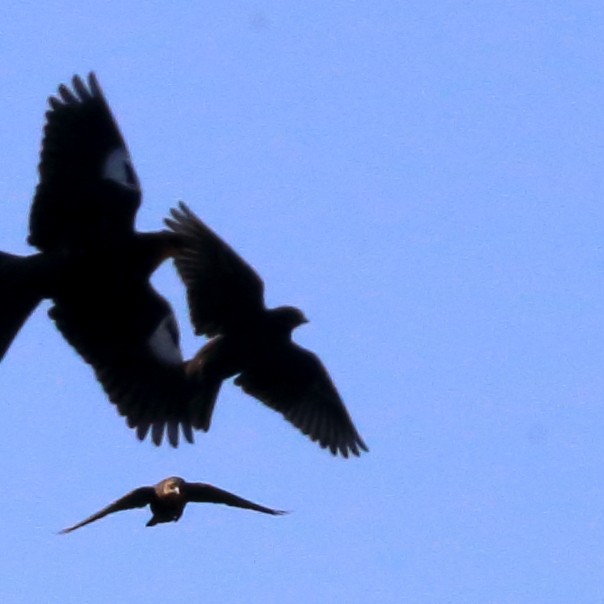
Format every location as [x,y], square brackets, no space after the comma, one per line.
[168,499]
[92,263]
[226,302]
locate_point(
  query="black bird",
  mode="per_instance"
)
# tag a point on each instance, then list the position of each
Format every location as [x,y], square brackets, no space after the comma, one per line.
[168,499]
[226,303]
[92,264]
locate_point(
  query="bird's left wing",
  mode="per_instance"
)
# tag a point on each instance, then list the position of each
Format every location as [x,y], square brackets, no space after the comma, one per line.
[293,381]
[138,498]
[223,291]
[206,493]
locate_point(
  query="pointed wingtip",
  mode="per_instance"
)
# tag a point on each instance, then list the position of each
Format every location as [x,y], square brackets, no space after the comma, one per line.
[93,83]
[80,88]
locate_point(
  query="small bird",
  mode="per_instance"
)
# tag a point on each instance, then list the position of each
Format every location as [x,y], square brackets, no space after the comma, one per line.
[168,498]
[92,263]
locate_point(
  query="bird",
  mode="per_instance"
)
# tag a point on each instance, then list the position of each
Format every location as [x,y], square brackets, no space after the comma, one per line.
[91,262]
[168,499]
[226,301]
[225,298]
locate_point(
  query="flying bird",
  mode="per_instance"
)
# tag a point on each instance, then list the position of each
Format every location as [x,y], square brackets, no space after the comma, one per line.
[92,263]
[226,302]
[168,498]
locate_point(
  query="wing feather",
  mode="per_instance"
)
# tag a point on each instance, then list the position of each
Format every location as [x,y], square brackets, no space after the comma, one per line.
[293,381]
[138,498]
[73,203]
[223,290]
[206,493]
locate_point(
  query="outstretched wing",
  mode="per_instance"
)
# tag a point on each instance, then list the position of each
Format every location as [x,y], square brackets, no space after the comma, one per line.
[134,350]
[138,498]
[206,493]
[293,381]
[87,188]
[223,291]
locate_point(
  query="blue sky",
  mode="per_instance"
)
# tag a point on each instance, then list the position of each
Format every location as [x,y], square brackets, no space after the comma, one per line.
[425,181]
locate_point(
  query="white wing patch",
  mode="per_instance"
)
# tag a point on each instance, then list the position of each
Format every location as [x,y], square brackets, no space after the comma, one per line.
[164,342]
[118,167]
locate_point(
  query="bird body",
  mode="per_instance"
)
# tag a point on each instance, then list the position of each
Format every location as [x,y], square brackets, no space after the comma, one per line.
[168,499]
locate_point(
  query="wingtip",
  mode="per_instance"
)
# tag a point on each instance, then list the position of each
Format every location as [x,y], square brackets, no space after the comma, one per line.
[67,95]
[54,103]
[172,432]
[142,429]
[187,432]
[93,83]
[157,432]
[80,88]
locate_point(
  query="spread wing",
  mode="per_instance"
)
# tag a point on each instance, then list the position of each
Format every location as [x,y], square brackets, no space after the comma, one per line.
[138,362]
[223,291]
[87,187]
[138,498]
[293,381]
[206,493]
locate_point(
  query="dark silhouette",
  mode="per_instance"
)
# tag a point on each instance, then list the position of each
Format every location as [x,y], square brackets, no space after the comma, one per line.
[168,499]
[93,264]
[226,302]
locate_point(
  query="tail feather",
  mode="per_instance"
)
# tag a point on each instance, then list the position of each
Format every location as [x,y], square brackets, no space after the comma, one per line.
[201,405]
[21,290]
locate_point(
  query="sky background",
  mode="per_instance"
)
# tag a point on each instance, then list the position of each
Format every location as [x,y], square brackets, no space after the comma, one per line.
[425,180]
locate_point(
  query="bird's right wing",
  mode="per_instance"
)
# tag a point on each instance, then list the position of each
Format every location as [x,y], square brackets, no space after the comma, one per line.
[87,186]
[206,493]
[138,498]
[293,381]
[139,368]
[222,289]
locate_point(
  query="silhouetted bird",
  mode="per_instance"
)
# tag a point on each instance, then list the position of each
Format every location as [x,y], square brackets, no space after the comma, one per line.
[93,264]
[168,499]
[226,302]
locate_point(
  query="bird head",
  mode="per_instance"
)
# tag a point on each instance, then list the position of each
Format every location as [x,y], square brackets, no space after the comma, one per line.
[288,317]
[172,485]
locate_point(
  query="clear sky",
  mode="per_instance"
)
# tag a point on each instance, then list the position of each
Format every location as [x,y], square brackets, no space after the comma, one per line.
[425,180]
